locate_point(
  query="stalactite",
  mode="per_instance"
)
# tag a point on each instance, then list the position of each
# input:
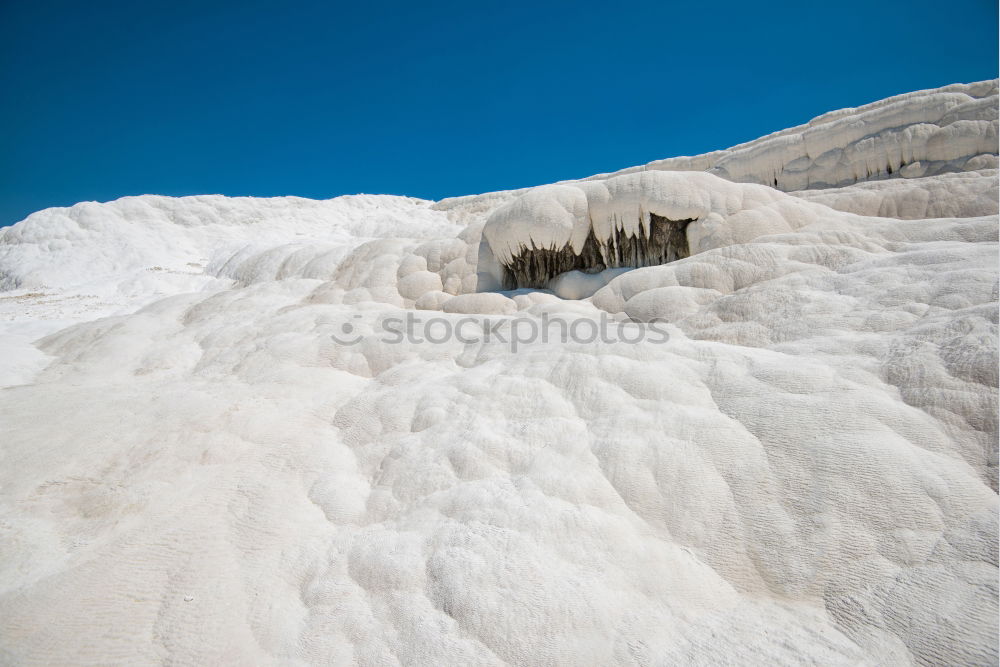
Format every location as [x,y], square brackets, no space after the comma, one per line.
[535,267]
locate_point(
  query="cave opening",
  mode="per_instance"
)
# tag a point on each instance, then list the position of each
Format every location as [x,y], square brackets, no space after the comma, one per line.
[666,242]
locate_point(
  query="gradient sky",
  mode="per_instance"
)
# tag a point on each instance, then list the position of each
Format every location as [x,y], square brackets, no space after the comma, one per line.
[105,99]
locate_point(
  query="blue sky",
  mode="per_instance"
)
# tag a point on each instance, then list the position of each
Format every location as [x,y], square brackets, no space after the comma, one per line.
[105,99]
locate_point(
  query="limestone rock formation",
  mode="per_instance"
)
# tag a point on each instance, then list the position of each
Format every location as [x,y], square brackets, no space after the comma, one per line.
[284,431]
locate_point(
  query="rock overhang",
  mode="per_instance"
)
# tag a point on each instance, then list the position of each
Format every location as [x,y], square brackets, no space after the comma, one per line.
[632,220]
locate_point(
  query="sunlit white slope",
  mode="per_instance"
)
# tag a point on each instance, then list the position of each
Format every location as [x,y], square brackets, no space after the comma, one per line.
[65,265]
[193,470]
[924,133]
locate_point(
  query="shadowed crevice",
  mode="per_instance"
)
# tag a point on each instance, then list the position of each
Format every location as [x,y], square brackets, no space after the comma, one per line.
[535,267]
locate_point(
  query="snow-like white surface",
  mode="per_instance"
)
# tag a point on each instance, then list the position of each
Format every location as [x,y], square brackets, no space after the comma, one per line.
[196,468]
[923,133]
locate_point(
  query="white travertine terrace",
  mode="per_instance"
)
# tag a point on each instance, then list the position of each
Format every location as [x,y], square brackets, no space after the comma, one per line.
[927,133]
[210,455]
[923,133]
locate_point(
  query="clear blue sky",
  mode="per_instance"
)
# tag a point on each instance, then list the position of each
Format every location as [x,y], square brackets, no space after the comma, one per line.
[105,99]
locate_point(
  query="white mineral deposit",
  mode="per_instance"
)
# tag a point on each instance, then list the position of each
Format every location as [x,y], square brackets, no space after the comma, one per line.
[215,450]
